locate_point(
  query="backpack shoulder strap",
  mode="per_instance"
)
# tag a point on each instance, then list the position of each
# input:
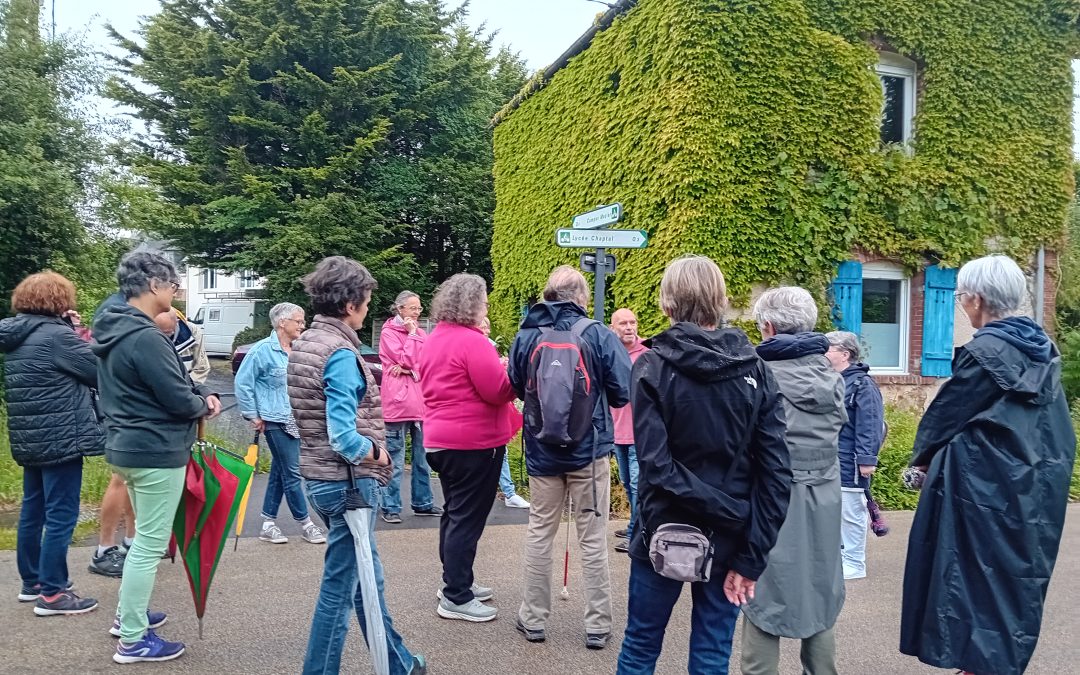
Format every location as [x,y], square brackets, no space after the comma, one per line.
[582,325]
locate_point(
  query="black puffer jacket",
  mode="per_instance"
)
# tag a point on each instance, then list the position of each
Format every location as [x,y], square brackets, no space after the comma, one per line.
[48,375]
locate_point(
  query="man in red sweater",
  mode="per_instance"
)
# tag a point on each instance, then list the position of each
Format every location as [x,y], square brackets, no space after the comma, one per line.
[624,323]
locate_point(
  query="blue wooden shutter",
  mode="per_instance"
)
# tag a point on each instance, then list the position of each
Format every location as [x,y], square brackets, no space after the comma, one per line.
[847,297]
[938,312]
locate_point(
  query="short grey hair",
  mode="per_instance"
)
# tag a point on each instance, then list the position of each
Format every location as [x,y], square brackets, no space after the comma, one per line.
[336,283]
[566,284]
[461,299]
[137,270]
[401,299]
[282,311]
[848,342]
[789,309]
[998,280]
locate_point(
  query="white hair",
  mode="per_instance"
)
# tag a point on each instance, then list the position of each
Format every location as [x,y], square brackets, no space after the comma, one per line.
[789,309]
[282,311]
[998,280]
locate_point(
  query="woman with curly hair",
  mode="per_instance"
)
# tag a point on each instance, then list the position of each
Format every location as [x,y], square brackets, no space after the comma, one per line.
[467,424]
[49,373]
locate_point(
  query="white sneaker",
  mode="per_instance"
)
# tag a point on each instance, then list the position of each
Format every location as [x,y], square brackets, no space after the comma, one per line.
[481,593]
[473,610]
[516,502]
[313,534]
[273,535]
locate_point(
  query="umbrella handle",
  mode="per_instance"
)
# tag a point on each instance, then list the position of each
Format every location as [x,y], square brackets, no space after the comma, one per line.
[201,434]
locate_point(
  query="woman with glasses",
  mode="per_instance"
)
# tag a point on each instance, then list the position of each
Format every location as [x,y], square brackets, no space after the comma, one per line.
[263,398]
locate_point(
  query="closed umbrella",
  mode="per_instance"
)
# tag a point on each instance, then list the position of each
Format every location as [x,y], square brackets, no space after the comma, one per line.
[251,459]
[358,517]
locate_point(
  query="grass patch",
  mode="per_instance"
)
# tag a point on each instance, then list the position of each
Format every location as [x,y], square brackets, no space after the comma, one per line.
[83,531]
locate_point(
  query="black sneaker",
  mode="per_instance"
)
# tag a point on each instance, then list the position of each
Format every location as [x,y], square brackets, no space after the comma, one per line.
[31,593]
[622,534]
[108,564]
[64,603]
[597,640]
[429,511]
[622,546]
[531,634]
[392,518]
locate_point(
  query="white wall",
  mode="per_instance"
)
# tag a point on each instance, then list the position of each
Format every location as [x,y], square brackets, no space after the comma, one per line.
[226,283]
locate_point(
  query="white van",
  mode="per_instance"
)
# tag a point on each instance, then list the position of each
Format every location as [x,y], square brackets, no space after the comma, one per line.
[221,320]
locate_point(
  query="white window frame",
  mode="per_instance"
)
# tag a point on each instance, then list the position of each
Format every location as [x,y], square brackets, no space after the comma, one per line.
[894,65]
[248,279]
[889,272]
[208,279]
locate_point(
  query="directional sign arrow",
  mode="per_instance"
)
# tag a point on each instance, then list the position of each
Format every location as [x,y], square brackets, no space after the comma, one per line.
[601,238]
[599,217]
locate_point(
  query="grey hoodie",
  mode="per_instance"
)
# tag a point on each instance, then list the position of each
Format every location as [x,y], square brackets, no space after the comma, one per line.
[150,404]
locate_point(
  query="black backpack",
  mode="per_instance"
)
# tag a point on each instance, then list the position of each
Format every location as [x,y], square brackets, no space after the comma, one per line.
[560,393]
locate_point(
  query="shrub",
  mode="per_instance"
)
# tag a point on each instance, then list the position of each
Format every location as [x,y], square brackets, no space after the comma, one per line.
[249,335]
[888,489]
[1074,484]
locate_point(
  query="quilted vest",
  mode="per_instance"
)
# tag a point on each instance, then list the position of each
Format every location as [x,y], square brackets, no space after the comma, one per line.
[307,396]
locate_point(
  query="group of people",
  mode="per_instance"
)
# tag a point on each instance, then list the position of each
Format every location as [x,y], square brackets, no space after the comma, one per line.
[745,466]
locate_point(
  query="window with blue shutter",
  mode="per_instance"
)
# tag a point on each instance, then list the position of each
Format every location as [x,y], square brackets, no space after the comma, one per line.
[938,313]
[847,291]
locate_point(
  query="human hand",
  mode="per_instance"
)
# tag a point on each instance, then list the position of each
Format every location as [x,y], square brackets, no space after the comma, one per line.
[505,361]
[259,425]
[395,369]
[74,317]
[410,325]
[866,470]
[214,404]
[738,589]
[383,458]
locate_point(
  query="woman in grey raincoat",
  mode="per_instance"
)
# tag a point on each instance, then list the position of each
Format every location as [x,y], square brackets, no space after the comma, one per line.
[997,449]
[802,590]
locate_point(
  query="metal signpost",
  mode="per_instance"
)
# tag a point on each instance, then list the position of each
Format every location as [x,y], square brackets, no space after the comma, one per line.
[588,232]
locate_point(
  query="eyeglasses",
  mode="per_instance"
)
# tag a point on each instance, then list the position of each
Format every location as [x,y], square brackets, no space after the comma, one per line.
[299,322]
[174,286]
[959,295]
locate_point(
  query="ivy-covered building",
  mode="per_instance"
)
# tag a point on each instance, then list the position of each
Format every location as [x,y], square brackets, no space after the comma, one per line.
[861,148]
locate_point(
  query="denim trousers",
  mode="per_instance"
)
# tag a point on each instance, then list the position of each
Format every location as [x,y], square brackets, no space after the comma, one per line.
[626,459]
[421,497]
[651,599]
[339,592]
[506,483]
[468,479]
[50,504]
[155,496]
[284,474]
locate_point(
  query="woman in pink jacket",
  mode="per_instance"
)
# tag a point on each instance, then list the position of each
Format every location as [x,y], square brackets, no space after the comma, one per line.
[401,344]
[469,420]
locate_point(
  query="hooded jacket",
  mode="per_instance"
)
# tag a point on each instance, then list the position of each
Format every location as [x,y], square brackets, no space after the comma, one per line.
[402,398]
[709,432]
[862,435]
[49,374]
[150,403]
[606,362]
[1000,448]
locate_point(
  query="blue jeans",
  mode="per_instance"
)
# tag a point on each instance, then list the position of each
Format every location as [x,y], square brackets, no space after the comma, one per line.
[284,474]
[50,502]
[340,591]
[652,597]
[422,498]
[626,459]
[506,483]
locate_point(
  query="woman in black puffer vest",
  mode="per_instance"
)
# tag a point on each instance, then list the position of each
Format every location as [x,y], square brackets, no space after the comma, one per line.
[49,374]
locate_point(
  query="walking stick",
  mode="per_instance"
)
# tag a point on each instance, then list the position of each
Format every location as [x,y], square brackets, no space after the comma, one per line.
[565,594]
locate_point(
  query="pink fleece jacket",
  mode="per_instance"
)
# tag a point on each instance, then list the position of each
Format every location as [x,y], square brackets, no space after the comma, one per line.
[402,400]
[467,393]
[624,417]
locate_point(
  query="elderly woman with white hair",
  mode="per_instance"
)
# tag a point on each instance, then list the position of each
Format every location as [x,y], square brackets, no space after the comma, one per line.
[263,398]
[993,455]
[801,592]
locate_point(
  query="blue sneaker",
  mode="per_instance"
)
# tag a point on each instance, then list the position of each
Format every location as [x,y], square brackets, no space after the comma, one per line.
[155,619]
[30,593]
[150,648]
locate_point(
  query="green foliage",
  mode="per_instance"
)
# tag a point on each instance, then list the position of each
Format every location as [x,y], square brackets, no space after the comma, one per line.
[887,487]
[46,148]
[288,130]
[749,132]
[1074,485]
[249,335]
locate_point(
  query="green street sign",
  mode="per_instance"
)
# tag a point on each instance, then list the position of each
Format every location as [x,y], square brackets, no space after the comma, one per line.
[601,238]
[598,217]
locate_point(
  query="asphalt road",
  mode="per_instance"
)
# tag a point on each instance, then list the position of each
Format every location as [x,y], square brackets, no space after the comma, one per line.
[263,597]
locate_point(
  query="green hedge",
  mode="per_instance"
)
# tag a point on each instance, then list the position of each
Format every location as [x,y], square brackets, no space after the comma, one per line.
[748,131]
[888,489]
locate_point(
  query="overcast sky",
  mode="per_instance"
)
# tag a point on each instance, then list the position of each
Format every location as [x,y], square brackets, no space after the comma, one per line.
[539,30]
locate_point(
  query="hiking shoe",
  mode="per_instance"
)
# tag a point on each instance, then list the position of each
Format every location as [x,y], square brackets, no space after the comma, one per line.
[429,511]
[31,593]
[623,533]
[392,518]
[531,634]
[64,603]
[419,665]
[154,619]
[517,502]
[481,593]
[273,535]
[622,546]
[473,610]
[149,648]
[313,534]
[597,640]
[108,564]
